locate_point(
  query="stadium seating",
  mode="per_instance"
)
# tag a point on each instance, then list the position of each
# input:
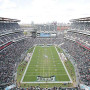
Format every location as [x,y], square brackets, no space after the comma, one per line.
[81,26]
[83,38]
[8,59]
[38,88]
[81,57]
[13,44]
[77,44]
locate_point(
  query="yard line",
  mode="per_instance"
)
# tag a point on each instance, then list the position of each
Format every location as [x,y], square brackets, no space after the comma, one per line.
[57,75]
[44,69]
[47,67]
[49,82]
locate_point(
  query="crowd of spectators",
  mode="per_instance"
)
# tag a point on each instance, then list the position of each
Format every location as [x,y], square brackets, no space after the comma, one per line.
[10,56]
[39,88]
[49,40]
[77,44]
[8,27]
[10,37]
[81,56]
[81,26]
[81,37]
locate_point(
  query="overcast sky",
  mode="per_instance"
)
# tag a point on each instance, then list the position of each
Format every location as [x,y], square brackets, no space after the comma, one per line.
[44,11]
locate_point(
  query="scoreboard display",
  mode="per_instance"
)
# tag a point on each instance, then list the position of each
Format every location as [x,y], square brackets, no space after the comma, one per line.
[45,35]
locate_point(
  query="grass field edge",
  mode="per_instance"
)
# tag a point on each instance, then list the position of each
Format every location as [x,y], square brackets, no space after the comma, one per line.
[27,66]
[64,67]
[48,81]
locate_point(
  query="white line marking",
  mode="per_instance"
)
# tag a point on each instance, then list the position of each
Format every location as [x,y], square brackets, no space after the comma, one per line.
[27,66]
[64,66]
[50,82]
[47,81]
[56,74]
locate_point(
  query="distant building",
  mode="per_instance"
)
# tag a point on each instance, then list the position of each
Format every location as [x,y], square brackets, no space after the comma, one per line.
[61,27]
[46,30]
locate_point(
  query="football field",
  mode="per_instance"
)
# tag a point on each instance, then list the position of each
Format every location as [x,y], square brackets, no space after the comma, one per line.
[45,66]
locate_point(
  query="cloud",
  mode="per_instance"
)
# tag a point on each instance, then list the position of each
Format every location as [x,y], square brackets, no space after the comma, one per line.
[7,4]
[42,11]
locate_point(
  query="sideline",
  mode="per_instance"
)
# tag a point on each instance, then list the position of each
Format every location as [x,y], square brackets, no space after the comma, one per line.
[50,82]
[46,81]
[27,65]
[64,66]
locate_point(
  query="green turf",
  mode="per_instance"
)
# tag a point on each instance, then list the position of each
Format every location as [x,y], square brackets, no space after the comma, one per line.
[45,62]
[59,50]
[71,70]
[20,70]
[30,50]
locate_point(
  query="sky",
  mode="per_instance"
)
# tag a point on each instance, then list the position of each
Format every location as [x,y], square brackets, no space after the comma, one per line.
[44,11]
